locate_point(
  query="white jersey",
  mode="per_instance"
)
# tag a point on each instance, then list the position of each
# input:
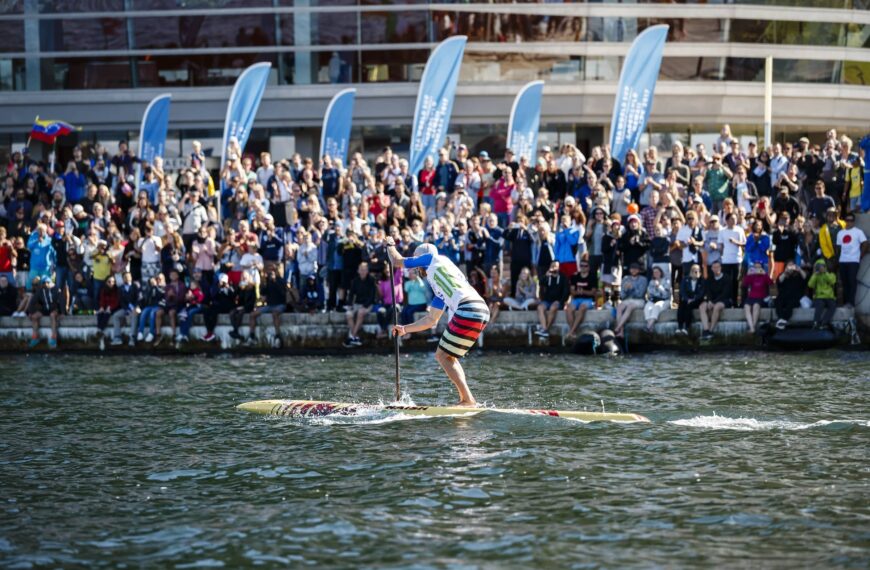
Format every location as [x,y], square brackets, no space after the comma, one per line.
[448,283]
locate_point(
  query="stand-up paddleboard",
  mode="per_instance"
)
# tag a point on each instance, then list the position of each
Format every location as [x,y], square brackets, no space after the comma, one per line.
[314,408]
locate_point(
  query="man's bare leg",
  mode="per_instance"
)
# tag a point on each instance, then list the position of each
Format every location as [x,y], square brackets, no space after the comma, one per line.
[454,371]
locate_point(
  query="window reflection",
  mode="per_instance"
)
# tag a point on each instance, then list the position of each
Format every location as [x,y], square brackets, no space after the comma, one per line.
[306,28]
[404,65]
[204,31]
[488,27]
[394,27]
[11,35]
[64,6]
[83,34]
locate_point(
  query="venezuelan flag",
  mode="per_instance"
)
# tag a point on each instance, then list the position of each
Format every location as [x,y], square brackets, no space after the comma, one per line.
[47,131]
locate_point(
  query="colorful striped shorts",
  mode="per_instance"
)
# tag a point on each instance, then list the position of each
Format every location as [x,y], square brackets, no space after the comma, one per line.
[462,331]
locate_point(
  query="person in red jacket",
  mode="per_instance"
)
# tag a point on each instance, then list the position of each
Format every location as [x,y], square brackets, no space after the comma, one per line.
[193,304]
[108,303]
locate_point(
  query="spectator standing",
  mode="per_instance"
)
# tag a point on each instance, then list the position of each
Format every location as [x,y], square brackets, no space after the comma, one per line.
[852,245]
[785,241]
[716,182]
[823,283]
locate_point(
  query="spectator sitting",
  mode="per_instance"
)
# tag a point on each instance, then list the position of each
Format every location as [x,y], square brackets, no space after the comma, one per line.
[718,298]
[151,301]
[525,294]
[193,305]
[658,294]
[173,301]
[823,283]
[131,294]
[8,296]
[312,294]
[224,300]
[554,293]
[275,290]
[494,293]
[757,284]
[415,291]
[247,302]
[387,303]
[107,305]
[633,296]
[361,296]
[46,302]
[584,290]
[790,286]
[692,291]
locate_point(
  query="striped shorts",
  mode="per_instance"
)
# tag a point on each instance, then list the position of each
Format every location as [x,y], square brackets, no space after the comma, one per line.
[462,331]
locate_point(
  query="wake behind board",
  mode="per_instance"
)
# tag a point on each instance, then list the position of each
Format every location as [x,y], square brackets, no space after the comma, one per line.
[314,408]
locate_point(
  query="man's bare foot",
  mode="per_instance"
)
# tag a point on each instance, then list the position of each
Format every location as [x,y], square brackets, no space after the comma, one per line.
[467,404]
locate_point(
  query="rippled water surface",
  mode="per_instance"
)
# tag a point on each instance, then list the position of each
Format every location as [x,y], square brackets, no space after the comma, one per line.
[751,460]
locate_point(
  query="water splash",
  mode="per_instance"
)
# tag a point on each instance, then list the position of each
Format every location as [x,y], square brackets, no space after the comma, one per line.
[751,424]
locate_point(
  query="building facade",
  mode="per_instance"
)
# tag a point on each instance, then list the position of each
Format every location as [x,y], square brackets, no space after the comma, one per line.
[97,63]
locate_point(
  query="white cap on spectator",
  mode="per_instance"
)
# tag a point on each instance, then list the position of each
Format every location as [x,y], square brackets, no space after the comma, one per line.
[78,209]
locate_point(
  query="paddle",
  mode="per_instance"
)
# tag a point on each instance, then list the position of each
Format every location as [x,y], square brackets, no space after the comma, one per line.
[395,323]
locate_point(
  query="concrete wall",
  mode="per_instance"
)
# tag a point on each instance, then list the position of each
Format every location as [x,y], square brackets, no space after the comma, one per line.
[513,330]
[693,102]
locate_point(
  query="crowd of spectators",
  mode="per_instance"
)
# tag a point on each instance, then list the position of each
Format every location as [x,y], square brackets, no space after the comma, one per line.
[697,229]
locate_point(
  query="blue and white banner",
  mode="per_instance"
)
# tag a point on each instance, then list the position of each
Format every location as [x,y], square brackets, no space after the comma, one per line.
[243,105]
[525,120]
[335,137]
[435,100]
[152,133]
[637,84]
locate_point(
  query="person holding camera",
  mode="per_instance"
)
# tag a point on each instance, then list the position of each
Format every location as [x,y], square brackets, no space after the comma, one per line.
[790,286]
[824,286]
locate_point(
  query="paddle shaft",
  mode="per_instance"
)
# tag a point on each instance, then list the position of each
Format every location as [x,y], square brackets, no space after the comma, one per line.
[395,323]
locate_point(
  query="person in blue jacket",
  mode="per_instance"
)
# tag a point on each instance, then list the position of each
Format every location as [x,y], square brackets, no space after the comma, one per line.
[567,240]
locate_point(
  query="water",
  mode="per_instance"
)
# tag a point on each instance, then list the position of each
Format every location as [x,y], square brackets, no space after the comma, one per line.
[751,459]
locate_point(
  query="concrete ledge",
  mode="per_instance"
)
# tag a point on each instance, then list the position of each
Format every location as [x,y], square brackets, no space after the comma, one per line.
[325,332]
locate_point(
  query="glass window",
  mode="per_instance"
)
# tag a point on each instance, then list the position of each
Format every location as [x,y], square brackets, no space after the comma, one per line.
[83,34]
[806,71]
[791,33]
[304,68]
[691,68]
[490,27]
[687,30]
[67,6]
[856,72]
[394,27]
[311,28]
[404,65]
[11,36]
[86,73]
[204,31]
[12,75]
[184,4]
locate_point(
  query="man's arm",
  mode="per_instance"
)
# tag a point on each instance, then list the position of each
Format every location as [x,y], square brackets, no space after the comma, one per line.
[429,321]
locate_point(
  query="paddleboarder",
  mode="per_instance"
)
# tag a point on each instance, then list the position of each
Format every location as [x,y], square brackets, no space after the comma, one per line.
[467,311]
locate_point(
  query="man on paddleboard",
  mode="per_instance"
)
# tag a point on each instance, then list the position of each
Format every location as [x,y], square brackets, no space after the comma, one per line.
[467,311]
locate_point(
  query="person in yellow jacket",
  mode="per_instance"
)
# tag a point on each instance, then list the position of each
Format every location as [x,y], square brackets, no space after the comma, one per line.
[102,269]
[823,283]
[828,234]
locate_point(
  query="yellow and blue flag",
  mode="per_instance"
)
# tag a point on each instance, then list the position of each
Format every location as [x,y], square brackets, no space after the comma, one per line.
[47,131]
